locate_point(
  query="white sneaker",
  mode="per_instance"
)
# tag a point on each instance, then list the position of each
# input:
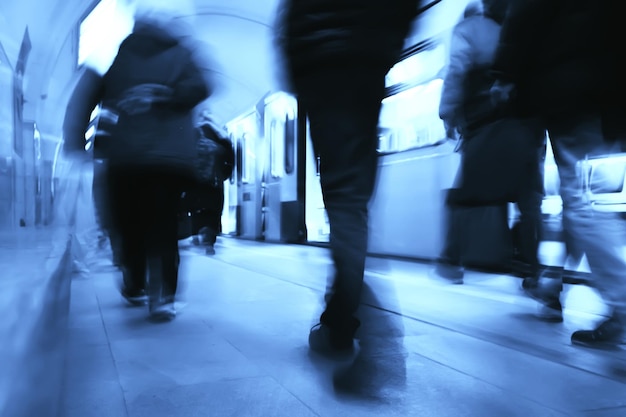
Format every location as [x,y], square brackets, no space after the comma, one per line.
[164,312]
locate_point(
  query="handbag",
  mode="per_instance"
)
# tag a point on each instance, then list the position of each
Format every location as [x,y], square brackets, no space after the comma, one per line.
[497,158]
[484,238]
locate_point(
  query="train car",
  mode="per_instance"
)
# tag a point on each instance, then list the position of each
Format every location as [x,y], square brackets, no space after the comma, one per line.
[282,201]
[246,188]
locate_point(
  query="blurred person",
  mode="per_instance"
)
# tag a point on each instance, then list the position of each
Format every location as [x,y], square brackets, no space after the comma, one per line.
[466,107]
[559,60]
[153,85]
[337,53]
[205,199]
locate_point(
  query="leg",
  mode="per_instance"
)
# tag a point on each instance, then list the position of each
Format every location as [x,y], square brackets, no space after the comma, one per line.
[449,264]
[161,198]
[599,235]
[127,232]
[531,224]
[344,134]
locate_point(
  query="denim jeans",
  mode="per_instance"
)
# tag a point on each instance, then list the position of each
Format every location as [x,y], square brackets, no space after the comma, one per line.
[343,106]
[599,235]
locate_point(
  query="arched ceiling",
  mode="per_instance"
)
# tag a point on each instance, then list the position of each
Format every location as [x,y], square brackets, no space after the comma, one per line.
[237,33]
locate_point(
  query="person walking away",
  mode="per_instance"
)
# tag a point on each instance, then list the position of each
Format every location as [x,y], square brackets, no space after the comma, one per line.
[466,107]
[337,53]
[153,85]
[558,60]
[205,200]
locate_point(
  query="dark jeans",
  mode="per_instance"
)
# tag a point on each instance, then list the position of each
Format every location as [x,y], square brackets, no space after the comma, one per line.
[343,106]
[529,205]
[144,206]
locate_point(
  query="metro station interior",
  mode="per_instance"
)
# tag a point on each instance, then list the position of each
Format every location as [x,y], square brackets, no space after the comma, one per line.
[238,347]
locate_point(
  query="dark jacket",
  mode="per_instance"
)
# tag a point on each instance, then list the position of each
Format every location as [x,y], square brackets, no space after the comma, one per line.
[163,136]
[369,34]
[216,156]
[556,53]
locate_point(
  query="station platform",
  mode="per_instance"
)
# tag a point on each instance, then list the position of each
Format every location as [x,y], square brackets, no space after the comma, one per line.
[238,346]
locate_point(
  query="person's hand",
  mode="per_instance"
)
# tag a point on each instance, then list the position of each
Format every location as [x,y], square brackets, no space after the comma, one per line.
[501,92]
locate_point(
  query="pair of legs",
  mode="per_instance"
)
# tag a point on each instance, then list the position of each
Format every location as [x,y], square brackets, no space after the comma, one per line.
[598,235]
[207,204]
[144,204]
[343,106]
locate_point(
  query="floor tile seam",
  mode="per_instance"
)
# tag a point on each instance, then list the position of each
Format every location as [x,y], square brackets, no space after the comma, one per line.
[266,374]
[539,352]
[454,328]
[268,275]
[494,385]
[110,350]
[507,297]
[618,408]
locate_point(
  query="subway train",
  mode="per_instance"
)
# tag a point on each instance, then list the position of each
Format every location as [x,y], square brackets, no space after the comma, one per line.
[276,196]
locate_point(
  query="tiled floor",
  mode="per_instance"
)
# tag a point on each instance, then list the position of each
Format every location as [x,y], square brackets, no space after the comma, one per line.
[239,345]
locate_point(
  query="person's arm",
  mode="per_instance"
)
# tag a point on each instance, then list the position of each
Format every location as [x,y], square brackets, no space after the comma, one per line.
[450,107]
[84,99]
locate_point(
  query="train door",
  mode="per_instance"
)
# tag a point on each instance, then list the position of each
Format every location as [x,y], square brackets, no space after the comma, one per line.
[282,203]
[246,135]
[318,228]
[229,214]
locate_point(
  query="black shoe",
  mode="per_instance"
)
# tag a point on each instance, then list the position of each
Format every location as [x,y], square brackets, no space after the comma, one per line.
[210,250]
[545,289]
[551,311]
[135,298]
[322,342]
[608,335]
[451,273]
[529,283]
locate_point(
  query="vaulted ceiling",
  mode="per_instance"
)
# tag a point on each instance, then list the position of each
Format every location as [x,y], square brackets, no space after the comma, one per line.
[237,33]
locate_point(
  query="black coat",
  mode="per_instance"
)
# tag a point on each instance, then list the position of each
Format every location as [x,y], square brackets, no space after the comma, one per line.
[164,135]
[369,34]
[557,53]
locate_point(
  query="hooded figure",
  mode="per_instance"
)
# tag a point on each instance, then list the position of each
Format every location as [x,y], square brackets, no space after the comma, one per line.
[153,86]
[466,99]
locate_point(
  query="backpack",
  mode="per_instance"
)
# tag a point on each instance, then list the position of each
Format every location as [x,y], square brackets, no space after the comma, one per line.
[214,164]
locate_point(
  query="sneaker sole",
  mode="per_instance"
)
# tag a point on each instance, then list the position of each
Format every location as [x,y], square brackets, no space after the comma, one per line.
[136,301]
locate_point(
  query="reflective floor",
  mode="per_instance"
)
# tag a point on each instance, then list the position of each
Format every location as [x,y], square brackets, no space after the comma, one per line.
[239,345]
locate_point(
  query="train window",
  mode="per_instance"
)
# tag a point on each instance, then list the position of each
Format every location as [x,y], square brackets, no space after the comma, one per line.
[236,170]
[247,158]
[277,131]
[290,144]
[7,109]
[409,117]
